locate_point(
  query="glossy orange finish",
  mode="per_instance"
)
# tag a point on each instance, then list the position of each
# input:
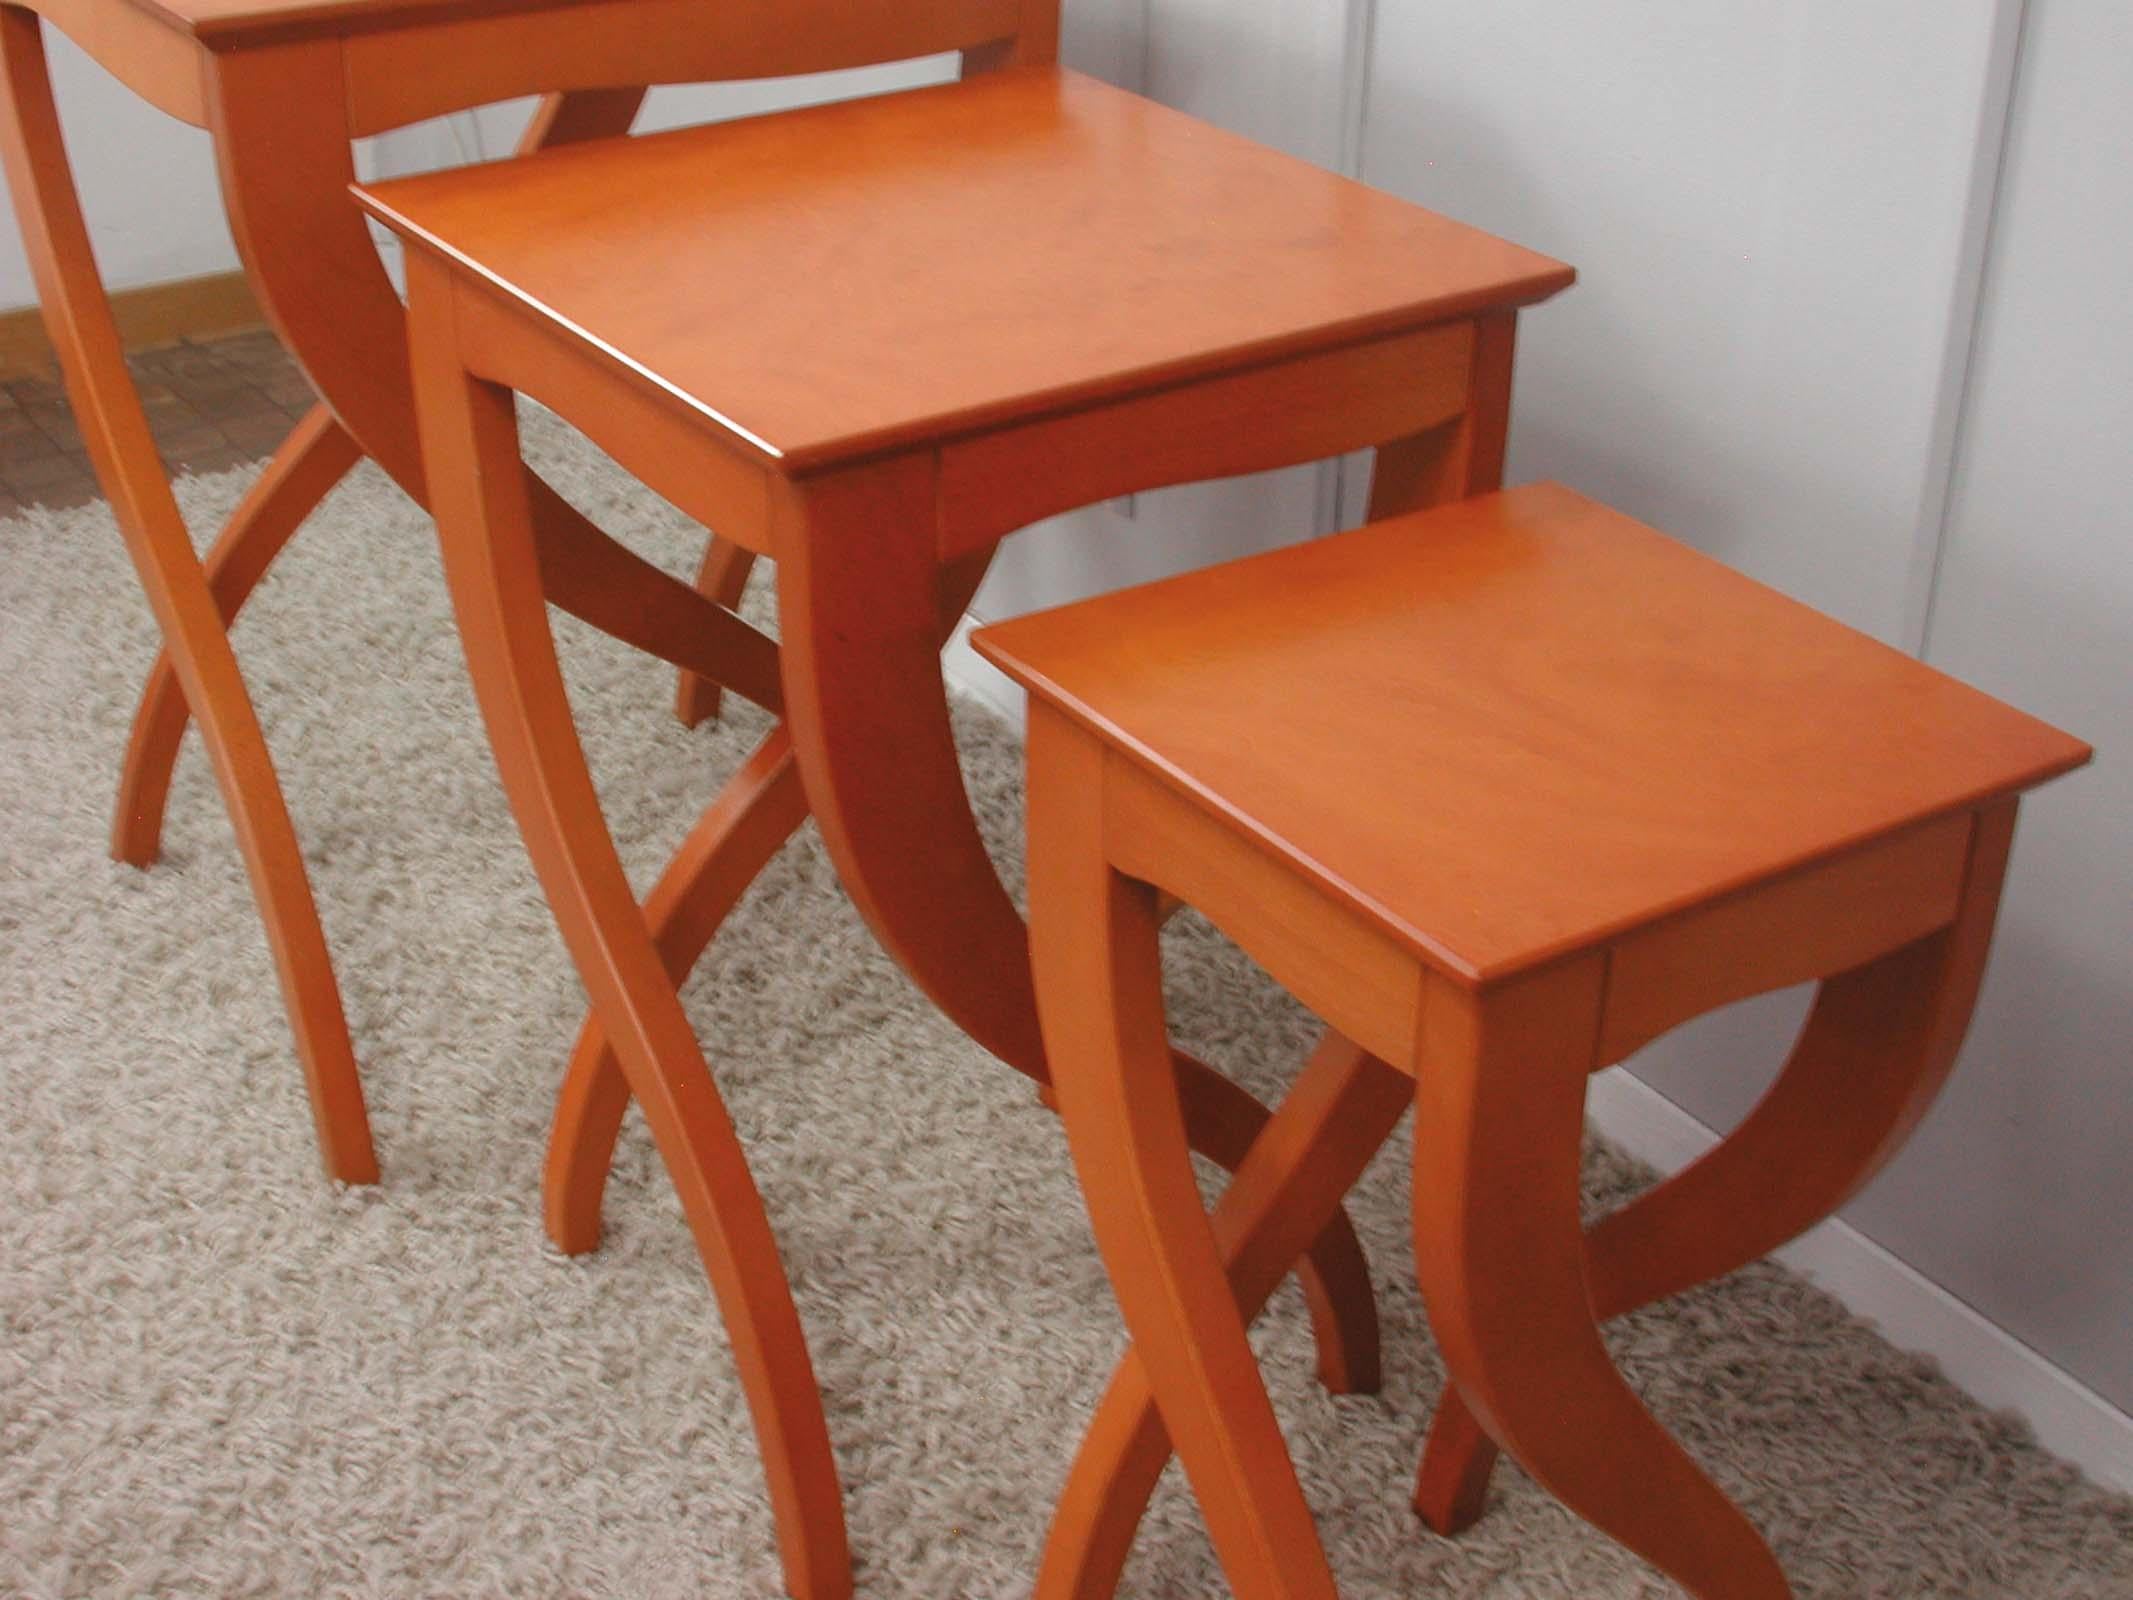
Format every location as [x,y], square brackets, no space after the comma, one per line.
[1541,654]
[1343,1106]
[867,276]
[410,72]
[496,584]
[1501,789]
[187,608]
[314,458]
[722,577]
[229,23]
[870,340]
[283,120]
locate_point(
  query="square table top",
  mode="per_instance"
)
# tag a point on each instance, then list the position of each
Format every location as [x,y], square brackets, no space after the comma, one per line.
[1516,727]
[849,279]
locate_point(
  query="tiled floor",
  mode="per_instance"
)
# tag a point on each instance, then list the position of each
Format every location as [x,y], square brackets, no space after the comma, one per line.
[213,403]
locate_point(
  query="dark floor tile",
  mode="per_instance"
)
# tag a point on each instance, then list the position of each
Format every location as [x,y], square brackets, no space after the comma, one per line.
[35,471]
[31,444]
[260,434]
[29,387]
[291,391]
[212,403]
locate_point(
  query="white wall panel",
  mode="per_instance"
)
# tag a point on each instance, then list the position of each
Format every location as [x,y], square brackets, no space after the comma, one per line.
[2019,1194]
[1766,205]
[1765,202]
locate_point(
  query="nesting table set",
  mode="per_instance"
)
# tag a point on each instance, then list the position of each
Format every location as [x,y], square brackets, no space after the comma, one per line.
[1502,790]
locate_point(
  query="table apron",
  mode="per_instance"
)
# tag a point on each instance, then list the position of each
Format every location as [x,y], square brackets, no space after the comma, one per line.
[682,458]
[1343,969]
[1281,414]
[159,64]
[407,74]
[991,484]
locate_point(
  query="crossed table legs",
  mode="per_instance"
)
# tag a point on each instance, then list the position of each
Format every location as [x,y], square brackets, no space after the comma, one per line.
[1875,1050]
[638,1040]
[286,164]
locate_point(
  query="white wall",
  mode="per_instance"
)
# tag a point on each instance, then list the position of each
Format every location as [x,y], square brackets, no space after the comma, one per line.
[147,184]
[2020,1195]
[1764,203]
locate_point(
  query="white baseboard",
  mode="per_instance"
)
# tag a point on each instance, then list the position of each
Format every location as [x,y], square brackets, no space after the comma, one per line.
[1911,1310]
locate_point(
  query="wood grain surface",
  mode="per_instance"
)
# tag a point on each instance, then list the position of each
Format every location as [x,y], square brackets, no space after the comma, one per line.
[839,281]
[1554,724]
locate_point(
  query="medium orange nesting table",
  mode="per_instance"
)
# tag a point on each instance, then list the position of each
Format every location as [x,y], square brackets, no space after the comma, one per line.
[870,341]
[285,86]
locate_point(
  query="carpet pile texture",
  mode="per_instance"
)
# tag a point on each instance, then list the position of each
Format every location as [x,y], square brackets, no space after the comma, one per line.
[219,1375]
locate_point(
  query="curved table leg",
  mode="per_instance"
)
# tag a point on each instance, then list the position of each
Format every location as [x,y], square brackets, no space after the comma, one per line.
[1100,970]
[485,523]
[602,114]
[758,810]
[753,816]
[723,577]
[736,837]
[283,145]
[1499,1118]
[1872,1056]
[1225,1122]
[580,115]
[317,454]
[1341,1110]
[749,822]
[78,317]
[869,715]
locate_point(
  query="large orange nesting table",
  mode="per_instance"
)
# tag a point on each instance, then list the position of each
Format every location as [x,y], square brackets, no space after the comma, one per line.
[871,341]
[285,86]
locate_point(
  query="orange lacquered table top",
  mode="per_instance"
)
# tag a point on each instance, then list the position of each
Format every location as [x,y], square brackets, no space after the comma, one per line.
[250,23]
[828,283]
[1520,725]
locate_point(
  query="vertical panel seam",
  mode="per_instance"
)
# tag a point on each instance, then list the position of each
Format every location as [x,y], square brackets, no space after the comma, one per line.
[1343,481]
[1951,409]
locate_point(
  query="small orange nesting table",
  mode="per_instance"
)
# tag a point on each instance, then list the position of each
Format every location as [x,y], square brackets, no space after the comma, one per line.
[1502,791]
[871,341]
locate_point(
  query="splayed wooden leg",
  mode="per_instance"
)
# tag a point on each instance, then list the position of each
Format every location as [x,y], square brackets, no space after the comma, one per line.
[314,458]
[862,624]
[123,451]
[1337,1116]
[723,577]
[1499,1117]
[1099,971]
[747,824]
[485,522]
[1873,1054]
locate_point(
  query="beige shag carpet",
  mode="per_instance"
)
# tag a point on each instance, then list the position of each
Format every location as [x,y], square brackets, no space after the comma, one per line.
[219,1376]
